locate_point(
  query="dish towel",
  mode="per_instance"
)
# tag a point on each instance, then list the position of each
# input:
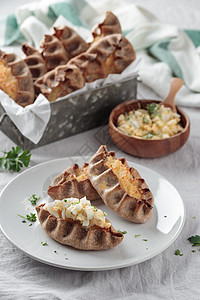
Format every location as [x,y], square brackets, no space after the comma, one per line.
[166,50]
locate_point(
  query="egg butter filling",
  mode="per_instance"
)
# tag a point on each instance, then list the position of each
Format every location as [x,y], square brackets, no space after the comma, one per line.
[155,122]
[8,83]
[124,176]
[78,210]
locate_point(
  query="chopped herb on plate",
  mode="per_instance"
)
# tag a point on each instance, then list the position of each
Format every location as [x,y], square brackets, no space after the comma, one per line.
[44,243]
[33,199]
[32,217]
[136,235]
[177,252]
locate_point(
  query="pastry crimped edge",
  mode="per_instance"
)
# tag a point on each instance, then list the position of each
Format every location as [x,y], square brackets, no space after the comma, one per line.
[114,196]
[72,233]
[20,70]
[63,186]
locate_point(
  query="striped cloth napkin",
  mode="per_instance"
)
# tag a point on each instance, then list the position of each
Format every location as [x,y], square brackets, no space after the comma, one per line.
[166,50]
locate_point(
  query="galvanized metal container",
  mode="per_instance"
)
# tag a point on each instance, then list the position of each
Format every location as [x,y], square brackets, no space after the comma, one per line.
[75,114]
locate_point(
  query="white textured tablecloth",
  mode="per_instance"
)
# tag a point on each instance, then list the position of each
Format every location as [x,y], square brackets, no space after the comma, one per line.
[165,276]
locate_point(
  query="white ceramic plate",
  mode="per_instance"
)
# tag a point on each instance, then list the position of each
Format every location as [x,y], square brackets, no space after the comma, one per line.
[154,236]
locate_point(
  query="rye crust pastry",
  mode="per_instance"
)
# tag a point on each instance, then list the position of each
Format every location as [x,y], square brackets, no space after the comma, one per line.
[71,40]
[109,25]
[35,61]
[53,52]
[73,182]
[60,82]
[121,188]
[16,79]
[111,54]
[72,233]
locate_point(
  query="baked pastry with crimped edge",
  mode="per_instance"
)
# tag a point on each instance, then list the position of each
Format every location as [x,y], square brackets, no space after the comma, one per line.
[72,233]
[73,182]
[35,61]
[59,82]
[121,187]
[73,43]
[16,79]
[53,52]
[111,54]
[110,25]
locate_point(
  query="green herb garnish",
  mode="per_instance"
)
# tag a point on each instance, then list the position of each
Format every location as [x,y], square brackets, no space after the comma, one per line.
[195,240]
[177,252]
[149,135]
[123,232]
[33,199]
[15,159]
[145,240]
[32,217]
[146,121]
[136,235]
[44,243]
[151,108]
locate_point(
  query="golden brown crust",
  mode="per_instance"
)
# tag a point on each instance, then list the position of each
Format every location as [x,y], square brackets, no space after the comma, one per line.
[24,94]
[66,185]
[71,40]
[110,25]
[111,54]
[35,61]
[59,82]
[107,184]
[72,233]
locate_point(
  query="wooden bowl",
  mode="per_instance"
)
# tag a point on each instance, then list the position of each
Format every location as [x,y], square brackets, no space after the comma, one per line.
[144,147]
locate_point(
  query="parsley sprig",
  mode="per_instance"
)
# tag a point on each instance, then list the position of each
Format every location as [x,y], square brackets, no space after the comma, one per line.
[194,240]
[15,159]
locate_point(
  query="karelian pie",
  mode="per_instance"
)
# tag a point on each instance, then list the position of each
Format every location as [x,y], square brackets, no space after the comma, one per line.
[109,25]
[71,40]
[16,79]
[111,54]
[121,188]
[78,224]
[53,52]
[59,82]
[35,61]
[73,182]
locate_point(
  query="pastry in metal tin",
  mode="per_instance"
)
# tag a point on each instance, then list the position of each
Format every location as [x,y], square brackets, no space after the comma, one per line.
[53,52]
[35,61]
[16,79]
[73,43]
[59,82]
[109,25]
[111,54]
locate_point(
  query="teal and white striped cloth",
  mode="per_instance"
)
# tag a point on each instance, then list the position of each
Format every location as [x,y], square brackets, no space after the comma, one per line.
[166,50]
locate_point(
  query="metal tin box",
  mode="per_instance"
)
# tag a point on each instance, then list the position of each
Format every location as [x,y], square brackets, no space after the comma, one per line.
[75,114]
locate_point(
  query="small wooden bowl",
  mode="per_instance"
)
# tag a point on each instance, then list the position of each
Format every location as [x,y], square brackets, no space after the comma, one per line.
[144,147]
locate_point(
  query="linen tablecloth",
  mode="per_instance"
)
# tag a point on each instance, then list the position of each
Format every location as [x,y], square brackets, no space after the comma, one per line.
[166,276]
